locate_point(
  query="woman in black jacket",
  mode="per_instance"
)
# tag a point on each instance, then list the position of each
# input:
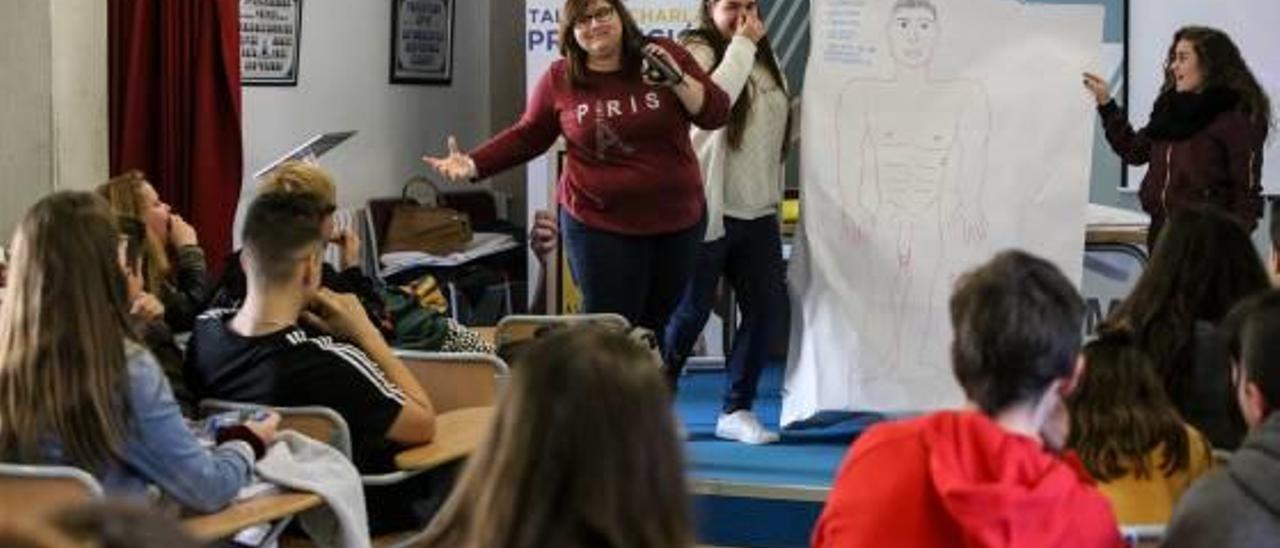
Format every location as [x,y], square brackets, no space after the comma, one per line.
[1203,144]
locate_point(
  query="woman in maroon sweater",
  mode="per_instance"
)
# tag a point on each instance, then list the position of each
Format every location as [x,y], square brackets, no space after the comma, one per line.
[632,208]
[1204,141]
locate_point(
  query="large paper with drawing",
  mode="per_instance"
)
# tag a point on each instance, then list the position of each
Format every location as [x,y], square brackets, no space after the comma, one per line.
[935,133]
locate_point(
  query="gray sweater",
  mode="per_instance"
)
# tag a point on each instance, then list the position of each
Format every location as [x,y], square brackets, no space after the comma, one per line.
[1238,505]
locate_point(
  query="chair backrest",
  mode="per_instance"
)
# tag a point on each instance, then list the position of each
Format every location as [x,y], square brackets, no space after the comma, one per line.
[1142,535]
[516,328]
[36,491]
[377,217]
[456,380]
[316,422]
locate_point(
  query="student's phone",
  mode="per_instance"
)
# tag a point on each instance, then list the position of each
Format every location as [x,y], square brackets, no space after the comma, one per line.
[226,419]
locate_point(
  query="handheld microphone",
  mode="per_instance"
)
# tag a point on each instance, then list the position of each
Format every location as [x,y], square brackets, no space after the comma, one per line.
[656,68]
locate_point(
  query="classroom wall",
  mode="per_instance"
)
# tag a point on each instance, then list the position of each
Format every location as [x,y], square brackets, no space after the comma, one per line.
[343,84]
[54,107]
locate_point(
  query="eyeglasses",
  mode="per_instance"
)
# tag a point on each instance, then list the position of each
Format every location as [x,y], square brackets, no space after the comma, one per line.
[602,16]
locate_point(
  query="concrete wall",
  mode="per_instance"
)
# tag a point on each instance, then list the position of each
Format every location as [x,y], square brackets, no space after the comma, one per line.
[54,133]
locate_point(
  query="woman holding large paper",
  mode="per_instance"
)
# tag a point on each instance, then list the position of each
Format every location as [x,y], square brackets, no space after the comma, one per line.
[632,210]
[1203,144]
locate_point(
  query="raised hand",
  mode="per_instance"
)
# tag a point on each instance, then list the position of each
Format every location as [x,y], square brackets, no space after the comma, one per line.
[543,235]
[181,233]
[1098,87]
[146,307]
[457,166]
[661,53]
[340,315]
[750,26]
[348,247]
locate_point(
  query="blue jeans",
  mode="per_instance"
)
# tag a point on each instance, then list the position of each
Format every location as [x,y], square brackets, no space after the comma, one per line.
[638,277]
[750,258]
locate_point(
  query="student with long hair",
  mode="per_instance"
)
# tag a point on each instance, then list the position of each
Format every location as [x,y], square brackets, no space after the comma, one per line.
[75,389]
[610,476]
[1128,435]
[1203,265]
[631,203]
[1203,143]
[742,173]
[176,269]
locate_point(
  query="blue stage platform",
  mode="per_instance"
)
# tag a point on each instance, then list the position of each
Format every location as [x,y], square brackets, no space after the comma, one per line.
[763,495]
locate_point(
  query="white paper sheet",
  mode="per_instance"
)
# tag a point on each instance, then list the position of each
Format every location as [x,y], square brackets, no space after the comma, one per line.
[934,136]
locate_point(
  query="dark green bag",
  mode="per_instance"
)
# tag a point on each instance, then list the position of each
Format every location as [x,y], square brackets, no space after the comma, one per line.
[416,328]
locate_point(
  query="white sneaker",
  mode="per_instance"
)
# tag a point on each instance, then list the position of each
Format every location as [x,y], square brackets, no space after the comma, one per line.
[742,425]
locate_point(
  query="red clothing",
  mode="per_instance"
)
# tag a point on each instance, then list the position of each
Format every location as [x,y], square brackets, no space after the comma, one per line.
[958,479]
[1219,166]
[630,167]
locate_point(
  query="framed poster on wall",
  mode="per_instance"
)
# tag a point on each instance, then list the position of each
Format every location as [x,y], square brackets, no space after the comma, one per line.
[270,33]
[421,41]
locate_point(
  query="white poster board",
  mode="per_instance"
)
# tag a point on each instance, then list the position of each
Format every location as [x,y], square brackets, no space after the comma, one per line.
[934,136]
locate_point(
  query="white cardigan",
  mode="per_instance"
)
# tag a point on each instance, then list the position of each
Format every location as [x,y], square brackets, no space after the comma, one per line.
[712,147]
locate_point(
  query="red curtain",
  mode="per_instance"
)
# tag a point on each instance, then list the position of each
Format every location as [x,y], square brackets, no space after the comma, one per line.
[175,107]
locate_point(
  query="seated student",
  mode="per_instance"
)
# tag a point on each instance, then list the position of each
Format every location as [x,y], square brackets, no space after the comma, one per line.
[259,353]
[583,453]
[990,475]
[1203,264]
[1128,435]
[76,390]
[176,269]
[146,313]
[434,332]
[1239,505]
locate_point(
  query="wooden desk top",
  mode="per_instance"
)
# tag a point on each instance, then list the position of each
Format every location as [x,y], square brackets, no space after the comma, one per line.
[1116,234]
[250,512]
[1096,234]
[458,433]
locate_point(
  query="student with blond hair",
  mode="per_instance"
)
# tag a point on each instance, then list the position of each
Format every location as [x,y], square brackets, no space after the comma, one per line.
[176,271]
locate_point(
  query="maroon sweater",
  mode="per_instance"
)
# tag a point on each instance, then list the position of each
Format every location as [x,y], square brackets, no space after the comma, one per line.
[1219,166]
[630,167]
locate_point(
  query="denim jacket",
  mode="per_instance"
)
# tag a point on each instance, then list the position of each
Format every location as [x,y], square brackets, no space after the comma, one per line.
[161,450]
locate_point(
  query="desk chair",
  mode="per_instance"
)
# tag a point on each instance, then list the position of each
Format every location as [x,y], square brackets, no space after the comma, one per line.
[1142,536]
[36,491]
[457,380]
[516,328]
[452,381]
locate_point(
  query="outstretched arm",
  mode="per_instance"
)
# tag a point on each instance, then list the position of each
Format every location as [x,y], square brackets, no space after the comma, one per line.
[1132,146]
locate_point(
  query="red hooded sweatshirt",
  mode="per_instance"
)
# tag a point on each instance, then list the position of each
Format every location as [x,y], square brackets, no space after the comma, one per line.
[958,479]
